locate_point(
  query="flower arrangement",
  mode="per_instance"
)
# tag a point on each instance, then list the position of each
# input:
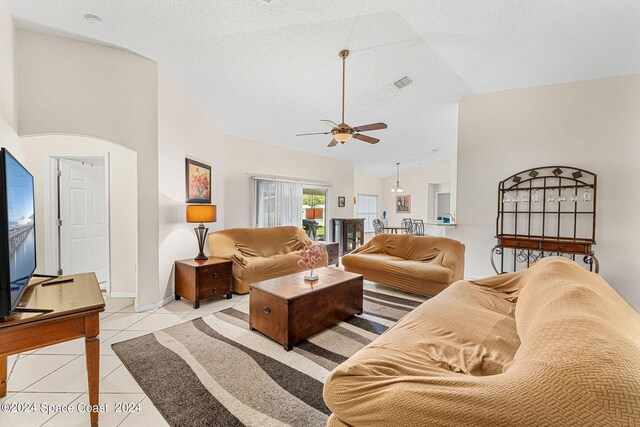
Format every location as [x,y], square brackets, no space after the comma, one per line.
[310,256]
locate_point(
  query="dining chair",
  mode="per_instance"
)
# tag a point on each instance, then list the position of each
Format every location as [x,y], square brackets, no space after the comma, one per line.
[407,225]
[418,227]
[378,226]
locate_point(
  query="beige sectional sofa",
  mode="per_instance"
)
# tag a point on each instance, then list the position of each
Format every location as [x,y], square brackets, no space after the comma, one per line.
[419,264]
[553,345]
[260,253]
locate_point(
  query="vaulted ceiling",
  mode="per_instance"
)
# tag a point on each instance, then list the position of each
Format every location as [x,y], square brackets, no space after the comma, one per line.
[268,71]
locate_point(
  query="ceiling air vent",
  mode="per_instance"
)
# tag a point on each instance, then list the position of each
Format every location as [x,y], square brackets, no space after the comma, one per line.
[403,82]
[266,1]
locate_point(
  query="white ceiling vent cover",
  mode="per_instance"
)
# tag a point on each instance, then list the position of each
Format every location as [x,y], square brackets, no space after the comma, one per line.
[403,82]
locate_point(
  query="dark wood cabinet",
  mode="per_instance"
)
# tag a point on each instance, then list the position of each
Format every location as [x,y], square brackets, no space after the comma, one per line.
[201,280]
[348,233]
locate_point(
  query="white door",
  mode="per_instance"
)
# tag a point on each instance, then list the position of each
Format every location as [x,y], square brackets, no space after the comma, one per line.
[84,243]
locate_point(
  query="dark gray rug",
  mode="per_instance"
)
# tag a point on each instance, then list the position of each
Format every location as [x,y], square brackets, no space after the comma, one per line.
[214,371]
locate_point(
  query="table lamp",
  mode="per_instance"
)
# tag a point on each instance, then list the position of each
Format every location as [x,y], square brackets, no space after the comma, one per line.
[201,214]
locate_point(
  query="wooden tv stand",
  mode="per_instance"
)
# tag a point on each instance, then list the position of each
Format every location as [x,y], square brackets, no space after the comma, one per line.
[75,313]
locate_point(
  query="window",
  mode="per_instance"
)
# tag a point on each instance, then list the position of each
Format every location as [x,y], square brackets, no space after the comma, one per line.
[368,209]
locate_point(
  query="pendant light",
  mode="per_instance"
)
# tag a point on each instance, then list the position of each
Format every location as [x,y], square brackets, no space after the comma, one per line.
[397,188]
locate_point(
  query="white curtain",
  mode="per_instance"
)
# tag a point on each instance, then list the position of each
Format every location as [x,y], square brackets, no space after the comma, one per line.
[367,209]
[278,203]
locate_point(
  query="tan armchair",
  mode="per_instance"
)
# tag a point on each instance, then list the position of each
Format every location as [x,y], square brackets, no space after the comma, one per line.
[260,253]
[419,264]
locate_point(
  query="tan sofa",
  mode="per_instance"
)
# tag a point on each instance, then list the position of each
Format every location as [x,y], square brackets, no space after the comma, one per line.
[260,253]
[553,345]
[419,264]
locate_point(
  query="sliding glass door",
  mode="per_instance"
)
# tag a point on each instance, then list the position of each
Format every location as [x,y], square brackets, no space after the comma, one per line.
[314,218]
[281,202]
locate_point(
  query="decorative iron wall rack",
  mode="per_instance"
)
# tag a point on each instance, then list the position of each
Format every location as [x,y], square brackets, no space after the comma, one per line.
[545,211]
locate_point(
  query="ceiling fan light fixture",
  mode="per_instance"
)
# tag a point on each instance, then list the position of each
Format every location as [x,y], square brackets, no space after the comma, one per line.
[342,136]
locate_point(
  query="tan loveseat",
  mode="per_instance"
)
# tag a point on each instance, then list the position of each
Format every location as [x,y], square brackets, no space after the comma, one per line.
[553,345]
[260,253]
[419,264]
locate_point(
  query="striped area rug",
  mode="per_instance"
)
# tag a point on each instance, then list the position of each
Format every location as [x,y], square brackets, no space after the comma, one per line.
[214,371]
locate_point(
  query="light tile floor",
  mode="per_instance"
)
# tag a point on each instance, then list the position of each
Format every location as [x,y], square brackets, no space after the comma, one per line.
[56,375]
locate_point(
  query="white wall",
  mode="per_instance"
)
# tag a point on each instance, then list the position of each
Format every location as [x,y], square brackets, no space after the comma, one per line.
[123,212]
[593,125]
[414,182]
[8,117]
[367,184]
[184,130]
[244,158]
[73,87]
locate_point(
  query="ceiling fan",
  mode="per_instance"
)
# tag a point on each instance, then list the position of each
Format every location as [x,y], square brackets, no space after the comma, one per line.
[343,132]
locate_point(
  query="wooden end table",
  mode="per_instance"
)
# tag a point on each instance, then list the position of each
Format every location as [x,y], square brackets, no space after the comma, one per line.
[198,280]
[76,308]
[288,310]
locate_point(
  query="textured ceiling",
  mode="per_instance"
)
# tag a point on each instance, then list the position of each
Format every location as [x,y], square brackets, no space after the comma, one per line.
[267,72]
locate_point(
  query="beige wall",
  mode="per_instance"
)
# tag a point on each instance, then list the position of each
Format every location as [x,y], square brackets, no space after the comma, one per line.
[123,223]
[72,87]
[593,125]
[367,184]
[184,130]
[414,182]
[244,158]
[8,117]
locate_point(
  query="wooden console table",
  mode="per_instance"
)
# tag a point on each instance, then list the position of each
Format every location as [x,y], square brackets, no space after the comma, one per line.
[76,306]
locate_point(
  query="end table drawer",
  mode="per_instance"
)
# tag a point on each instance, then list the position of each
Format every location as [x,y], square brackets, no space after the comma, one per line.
[211,273]
[217,288]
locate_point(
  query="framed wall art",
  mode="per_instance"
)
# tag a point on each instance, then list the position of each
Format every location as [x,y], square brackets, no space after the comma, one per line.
[198,179]
[403,204]
[341,201]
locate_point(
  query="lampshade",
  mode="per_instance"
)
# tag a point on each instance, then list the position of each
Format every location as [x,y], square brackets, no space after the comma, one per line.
[201,213]
[313,213]
[342,136]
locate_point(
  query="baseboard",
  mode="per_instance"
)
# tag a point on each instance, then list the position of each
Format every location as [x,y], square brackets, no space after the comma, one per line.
[147,307]
[122,295]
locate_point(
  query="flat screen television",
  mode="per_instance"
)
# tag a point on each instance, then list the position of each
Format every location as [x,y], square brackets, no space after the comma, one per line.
[17,231]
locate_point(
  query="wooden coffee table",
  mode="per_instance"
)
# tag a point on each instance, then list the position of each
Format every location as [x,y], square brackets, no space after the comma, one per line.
[289,310]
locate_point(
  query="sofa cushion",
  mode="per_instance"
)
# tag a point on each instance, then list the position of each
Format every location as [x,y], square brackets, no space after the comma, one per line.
[399,268]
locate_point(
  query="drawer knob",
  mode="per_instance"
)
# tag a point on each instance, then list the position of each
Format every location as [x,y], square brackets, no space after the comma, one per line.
[215,275]
[266,310]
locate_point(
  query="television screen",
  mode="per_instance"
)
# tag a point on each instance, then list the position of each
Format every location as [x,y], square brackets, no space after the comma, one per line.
[18,232]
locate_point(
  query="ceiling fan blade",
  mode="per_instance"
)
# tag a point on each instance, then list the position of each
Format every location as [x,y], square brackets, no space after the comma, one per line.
[330,123]
[372,126]
[333,143]
[366,138]
[314,133]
